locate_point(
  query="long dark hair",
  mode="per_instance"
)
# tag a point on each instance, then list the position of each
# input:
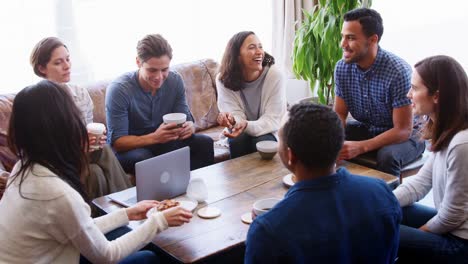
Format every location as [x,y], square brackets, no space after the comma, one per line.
[446,76]
[46,128]
[231,69]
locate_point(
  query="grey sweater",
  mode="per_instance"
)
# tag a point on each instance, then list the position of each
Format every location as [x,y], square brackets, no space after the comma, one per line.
[446,172]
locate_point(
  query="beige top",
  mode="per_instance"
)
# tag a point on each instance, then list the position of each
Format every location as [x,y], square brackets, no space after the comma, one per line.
[83,101]
[446,173]
[54,224]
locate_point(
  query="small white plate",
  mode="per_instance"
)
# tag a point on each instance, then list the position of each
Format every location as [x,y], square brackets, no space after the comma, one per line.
[184,202]
[287,180]
[209,212]
[247,218]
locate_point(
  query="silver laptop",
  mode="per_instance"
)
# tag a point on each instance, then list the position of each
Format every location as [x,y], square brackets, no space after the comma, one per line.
[162,177]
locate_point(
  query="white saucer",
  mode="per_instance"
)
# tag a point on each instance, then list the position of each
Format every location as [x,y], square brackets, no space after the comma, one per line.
[247,218]
[209,212]
[287,180]
[184,202]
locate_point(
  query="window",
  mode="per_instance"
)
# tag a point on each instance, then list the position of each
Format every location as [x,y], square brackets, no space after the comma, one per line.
[102,35]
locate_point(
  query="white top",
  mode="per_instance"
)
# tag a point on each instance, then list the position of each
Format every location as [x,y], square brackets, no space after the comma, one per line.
[446,172]
[272,108]
[83,101]
[54,225]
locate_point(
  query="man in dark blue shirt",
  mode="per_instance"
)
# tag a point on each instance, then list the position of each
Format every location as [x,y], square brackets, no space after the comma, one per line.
[372,84]
[136,103]
[328,215]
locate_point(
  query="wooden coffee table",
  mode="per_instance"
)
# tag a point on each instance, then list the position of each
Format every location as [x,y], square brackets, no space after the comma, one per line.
[233,187]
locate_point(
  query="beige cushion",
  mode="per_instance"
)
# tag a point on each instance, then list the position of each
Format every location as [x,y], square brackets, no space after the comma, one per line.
[200,87]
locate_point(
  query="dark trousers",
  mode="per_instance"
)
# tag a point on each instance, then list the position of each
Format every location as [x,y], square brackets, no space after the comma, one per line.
[417,246]
[245,144]
[201,152]
[143,256]
[391,158]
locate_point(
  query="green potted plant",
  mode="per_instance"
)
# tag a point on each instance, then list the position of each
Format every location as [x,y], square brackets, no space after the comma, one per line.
[316,47]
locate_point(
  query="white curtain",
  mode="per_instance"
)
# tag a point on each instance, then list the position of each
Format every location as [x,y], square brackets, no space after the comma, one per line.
[287,14]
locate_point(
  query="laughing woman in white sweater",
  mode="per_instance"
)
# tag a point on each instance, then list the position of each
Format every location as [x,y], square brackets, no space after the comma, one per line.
[251,94]
[45,217]
[439,90]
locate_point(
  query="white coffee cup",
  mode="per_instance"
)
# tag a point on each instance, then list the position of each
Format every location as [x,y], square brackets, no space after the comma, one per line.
[97,130]
[177,118]
[262,206]
[197,190]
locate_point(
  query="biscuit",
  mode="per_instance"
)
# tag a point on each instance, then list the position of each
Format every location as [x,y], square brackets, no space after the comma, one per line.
[166,204]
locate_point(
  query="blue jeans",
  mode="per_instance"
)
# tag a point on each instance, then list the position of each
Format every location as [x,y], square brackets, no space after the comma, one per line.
[143,256]
[391,158]
[417,246]
[245,144]
[201,152]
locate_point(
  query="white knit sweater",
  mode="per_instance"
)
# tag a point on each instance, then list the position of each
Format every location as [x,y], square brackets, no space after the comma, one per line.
[54,224]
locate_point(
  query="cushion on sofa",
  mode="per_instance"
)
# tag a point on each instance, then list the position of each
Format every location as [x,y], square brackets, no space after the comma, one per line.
[200,88]
[7,158]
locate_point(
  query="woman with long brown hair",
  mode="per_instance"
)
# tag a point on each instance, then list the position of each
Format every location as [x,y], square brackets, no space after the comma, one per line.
[251,94]
[45,217]
[439,91]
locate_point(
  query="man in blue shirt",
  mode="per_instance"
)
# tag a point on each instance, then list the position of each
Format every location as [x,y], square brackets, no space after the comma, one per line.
[136,103]
[328,215]
[372,84]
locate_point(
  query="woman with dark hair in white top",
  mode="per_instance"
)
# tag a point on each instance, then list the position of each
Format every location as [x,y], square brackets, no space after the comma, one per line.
[45,216]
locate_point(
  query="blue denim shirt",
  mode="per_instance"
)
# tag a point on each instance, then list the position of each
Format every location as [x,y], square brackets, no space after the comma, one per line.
[132,111]
[371,95]
[341,218]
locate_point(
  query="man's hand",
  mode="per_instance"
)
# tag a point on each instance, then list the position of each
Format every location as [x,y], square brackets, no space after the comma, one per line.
[166,133]
[226,120]
[139,210]
[237,129]
[187,130]
[351,149]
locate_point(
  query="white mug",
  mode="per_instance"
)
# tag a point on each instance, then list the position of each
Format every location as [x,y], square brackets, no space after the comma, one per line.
[197,190]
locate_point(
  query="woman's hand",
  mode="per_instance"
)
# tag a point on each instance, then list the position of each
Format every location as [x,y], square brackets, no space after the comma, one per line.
[425,229]
[139,210]
[226,120]
[236,130]
[177,216]
[92,139]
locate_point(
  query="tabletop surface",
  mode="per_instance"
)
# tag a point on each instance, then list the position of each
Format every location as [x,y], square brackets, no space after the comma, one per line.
[233,186]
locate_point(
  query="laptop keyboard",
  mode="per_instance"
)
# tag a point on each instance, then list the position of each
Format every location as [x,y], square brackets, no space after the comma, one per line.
[131,201]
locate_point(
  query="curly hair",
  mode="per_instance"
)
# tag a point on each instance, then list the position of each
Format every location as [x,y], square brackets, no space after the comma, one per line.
[231,69]
[314,133]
